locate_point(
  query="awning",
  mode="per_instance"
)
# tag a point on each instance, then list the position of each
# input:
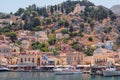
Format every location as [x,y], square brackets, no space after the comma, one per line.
[23,65]
[83,65]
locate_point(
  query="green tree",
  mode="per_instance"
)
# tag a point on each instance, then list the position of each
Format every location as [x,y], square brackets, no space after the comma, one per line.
[34,13]
[64,31]
[56,53]
[66,24]
[21,49]
[71,29]
[20,12]
[118,28]
[107,29]
[118,40]
[80,33]
[12,35]
[61,23]
[48,21]
[76,47]
[35,22]
[92,24]
[35,45]
[90,38]
[52,41]
[41,46]
[37,28]
[18,42]
[51,9]
[57,48]
[89,51]
[82,27]
[53,30]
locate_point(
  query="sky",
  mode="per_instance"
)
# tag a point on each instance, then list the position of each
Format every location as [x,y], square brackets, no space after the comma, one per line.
[8,6]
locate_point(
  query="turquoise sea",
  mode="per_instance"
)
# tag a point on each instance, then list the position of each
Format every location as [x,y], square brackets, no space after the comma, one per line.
[50,76]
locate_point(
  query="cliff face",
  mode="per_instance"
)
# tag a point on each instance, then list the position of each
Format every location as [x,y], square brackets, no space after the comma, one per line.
[116,9]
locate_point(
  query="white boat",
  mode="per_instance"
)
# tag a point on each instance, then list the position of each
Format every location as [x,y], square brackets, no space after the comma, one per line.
[66,71]
[3,69]
[77,71]
[111,72]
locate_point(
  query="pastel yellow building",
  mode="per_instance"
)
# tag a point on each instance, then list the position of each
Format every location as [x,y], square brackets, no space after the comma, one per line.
[88,60]
[57,61]
[3,61]
[75,58]
[29,57]
[104,57]
[63,58]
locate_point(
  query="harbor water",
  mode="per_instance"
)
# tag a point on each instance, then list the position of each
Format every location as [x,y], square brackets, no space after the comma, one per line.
[50,76]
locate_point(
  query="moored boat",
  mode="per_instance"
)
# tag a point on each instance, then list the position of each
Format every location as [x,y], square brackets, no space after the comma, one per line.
[62,71]
[4,69]
[77,71]
[66,71]
[112,71]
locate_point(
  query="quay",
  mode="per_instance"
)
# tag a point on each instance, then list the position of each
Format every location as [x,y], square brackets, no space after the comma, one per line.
[97,70]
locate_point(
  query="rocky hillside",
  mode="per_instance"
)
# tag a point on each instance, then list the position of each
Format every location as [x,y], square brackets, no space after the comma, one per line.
[116,9]
[84,23]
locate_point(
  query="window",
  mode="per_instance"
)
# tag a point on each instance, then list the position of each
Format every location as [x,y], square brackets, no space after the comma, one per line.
[25,59]
[42,63]
[51,62]
[14,50]
[58,62]
[45,63]
[21,60]
[33,60]
[75,58]
[29,59]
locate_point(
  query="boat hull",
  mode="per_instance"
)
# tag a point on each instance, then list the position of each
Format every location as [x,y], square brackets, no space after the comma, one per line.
[67,72]
[63,73]
[4,69]
[111,73]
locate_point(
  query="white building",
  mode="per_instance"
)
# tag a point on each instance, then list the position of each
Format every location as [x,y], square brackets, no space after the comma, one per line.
[59,36]
[3,61]
[25,44]
[109,45]
[42,36]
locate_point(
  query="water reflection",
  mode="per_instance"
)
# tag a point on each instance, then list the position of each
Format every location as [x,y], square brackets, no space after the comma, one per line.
[50,76]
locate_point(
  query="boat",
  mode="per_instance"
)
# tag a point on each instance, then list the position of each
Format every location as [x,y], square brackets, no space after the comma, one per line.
[63,72]
[111,71]
[66,71]
[19,70]
[84,68]
[77,71]
[4,69]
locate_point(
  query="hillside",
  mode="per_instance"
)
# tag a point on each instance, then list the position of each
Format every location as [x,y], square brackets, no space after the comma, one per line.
[84,23]
[116,9]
